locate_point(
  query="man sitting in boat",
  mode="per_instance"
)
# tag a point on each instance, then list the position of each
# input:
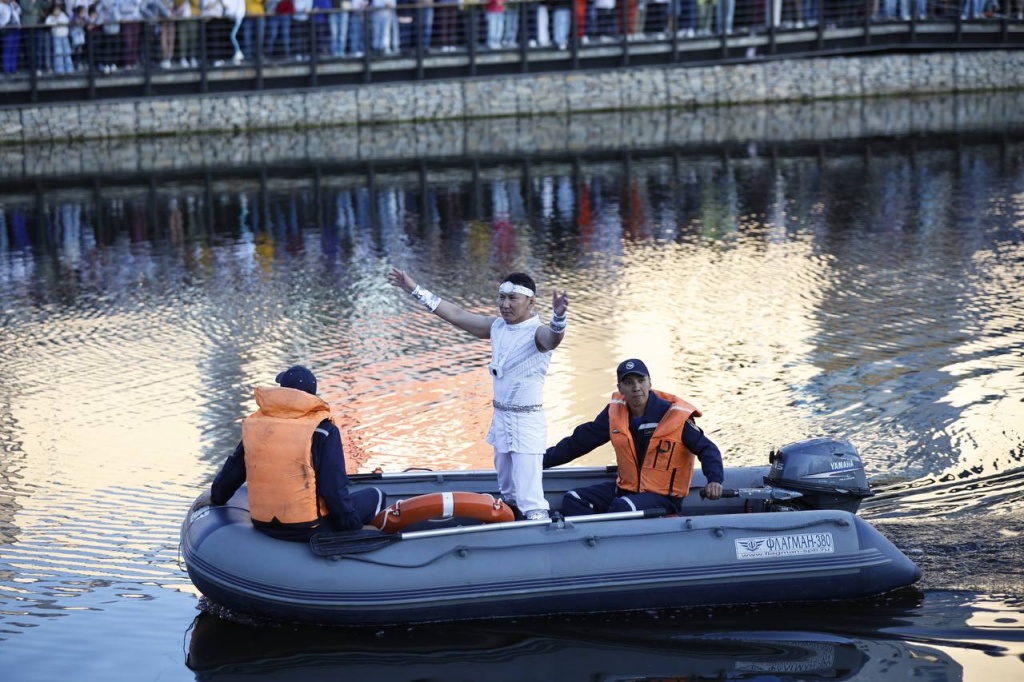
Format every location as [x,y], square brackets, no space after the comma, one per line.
[287,445]
[655,441]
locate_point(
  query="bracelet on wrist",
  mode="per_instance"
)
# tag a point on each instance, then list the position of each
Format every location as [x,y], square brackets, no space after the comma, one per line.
[429,300]
[557,323]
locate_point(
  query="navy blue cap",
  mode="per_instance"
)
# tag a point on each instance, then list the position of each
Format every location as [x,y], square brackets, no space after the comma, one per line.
[298,377]
[632,366]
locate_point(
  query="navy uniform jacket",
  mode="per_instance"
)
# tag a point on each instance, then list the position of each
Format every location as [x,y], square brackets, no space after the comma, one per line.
[331,479]
[587,437]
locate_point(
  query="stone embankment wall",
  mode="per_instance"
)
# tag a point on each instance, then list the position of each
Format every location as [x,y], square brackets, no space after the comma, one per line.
[797,80]
[524,137]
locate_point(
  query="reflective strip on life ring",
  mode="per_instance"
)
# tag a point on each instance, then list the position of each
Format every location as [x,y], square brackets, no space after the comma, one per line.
[441,506]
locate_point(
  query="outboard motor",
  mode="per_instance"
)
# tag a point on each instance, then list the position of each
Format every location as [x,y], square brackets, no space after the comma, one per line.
[827,473]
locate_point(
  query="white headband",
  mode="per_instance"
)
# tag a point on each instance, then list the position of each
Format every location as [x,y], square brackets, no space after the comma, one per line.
[509,288]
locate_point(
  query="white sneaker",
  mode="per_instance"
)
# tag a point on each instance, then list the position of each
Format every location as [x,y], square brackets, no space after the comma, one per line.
[237,59]
[537,515]
[184,63]
[165,64]
[194,63]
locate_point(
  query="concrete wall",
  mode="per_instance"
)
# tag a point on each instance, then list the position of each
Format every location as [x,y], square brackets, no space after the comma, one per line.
[520,96]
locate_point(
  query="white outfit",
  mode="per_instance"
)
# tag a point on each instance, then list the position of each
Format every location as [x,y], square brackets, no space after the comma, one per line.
[519,429]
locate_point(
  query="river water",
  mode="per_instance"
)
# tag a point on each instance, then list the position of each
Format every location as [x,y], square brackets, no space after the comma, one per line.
[867,288]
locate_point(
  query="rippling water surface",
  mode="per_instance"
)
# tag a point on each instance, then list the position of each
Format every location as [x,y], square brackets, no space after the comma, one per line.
[869,291]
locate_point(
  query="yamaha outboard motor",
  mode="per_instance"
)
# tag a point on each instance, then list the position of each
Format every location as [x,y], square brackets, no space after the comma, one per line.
[827,473]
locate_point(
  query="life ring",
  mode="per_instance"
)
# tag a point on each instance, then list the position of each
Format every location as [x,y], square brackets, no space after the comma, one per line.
[441,506]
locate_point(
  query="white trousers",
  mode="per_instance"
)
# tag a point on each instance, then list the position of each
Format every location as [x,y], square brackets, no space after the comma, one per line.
[520,479]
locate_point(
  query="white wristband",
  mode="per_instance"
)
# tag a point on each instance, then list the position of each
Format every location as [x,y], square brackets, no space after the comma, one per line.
[557,323]
[429,300]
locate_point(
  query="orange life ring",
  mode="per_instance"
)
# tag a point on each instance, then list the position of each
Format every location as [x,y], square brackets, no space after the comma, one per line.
[440,506]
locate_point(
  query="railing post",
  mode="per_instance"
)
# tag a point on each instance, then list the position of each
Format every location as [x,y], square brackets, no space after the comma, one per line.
[90,65]
[471,36]
[867,19]
[203,66]
[33,64]
[574,38]
[624,28]
[147,67]
[523,35]
[673,25]
[260,38]
[314,46]
[820,8]
[367,48]
[723,34]
[417,28]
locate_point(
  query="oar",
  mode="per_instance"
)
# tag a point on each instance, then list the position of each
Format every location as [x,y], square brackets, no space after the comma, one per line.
[360,541]
[777,494]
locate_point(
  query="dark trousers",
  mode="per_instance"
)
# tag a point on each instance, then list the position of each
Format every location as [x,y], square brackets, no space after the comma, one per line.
[604,497]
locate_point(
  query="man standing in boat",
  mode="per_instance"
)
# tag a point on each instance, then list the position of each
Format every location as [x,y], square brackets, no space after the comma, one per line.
[289,441]
[520,355]
[655,441]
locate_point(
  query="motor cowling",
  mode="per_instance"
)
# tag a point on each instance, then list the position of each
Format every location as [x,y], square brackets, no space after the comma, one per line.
[828,474]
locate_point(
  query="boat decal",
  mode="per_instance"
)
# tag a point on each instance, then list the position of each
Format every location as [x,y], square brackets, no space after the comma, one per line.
[198,514]
[785,545]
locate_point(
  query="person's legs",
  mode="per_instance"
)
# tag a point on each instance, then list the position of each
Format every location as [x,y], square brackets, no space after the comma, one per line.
[356,33]
[511,34]
[543,25]
[503,467]
[642,501]
[527,483]
[594,499]
[237,56]
[378,25]
[426,25]
[368,502]
[561,28]
[337,42]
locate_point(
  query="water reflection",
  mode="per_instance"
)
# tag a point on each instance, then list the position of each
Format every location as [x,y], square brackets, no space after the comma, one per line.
[866,289]
[741,644]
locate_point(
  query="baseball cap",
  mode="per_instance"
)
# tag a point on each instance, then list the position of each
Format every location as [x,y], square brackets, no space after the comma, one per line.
[631,366]
[298,377]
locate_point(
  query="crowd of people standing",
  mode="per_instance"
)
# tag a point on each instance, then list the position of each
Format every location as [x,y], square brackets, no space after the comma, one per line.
[63,36]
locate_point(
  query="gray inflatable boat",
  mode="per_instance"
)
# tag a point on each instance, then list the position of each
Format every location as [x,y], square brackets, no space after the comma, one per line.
[784,532]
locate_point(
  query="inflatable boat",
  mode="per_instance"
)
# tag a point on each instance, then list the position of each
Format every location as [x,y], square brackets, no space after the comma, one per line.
[784,532]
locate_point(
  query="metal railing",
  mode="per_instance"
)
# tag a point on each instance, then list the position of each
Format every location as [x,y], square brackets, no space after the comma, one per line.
[416,41]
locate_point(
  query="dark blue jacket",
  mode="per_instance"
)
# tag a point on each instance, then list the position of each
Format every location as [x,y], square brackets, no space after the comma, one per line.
[331,482]
[587,437]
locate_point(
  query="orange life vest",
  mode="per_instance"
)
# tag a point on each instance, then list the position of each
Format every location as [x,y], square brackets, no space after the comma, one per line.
[667,464]
[279,460]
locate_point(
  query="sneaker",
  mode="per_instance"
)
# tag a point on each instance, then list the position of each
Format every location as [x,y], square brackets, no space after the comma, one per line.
[194,63]
[165,64]
[537,515]
[184,63]
[237,59]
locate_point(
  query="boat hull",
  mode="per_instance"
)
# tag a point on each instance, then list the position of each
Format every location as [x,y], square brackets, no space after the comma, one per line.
[582,564]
